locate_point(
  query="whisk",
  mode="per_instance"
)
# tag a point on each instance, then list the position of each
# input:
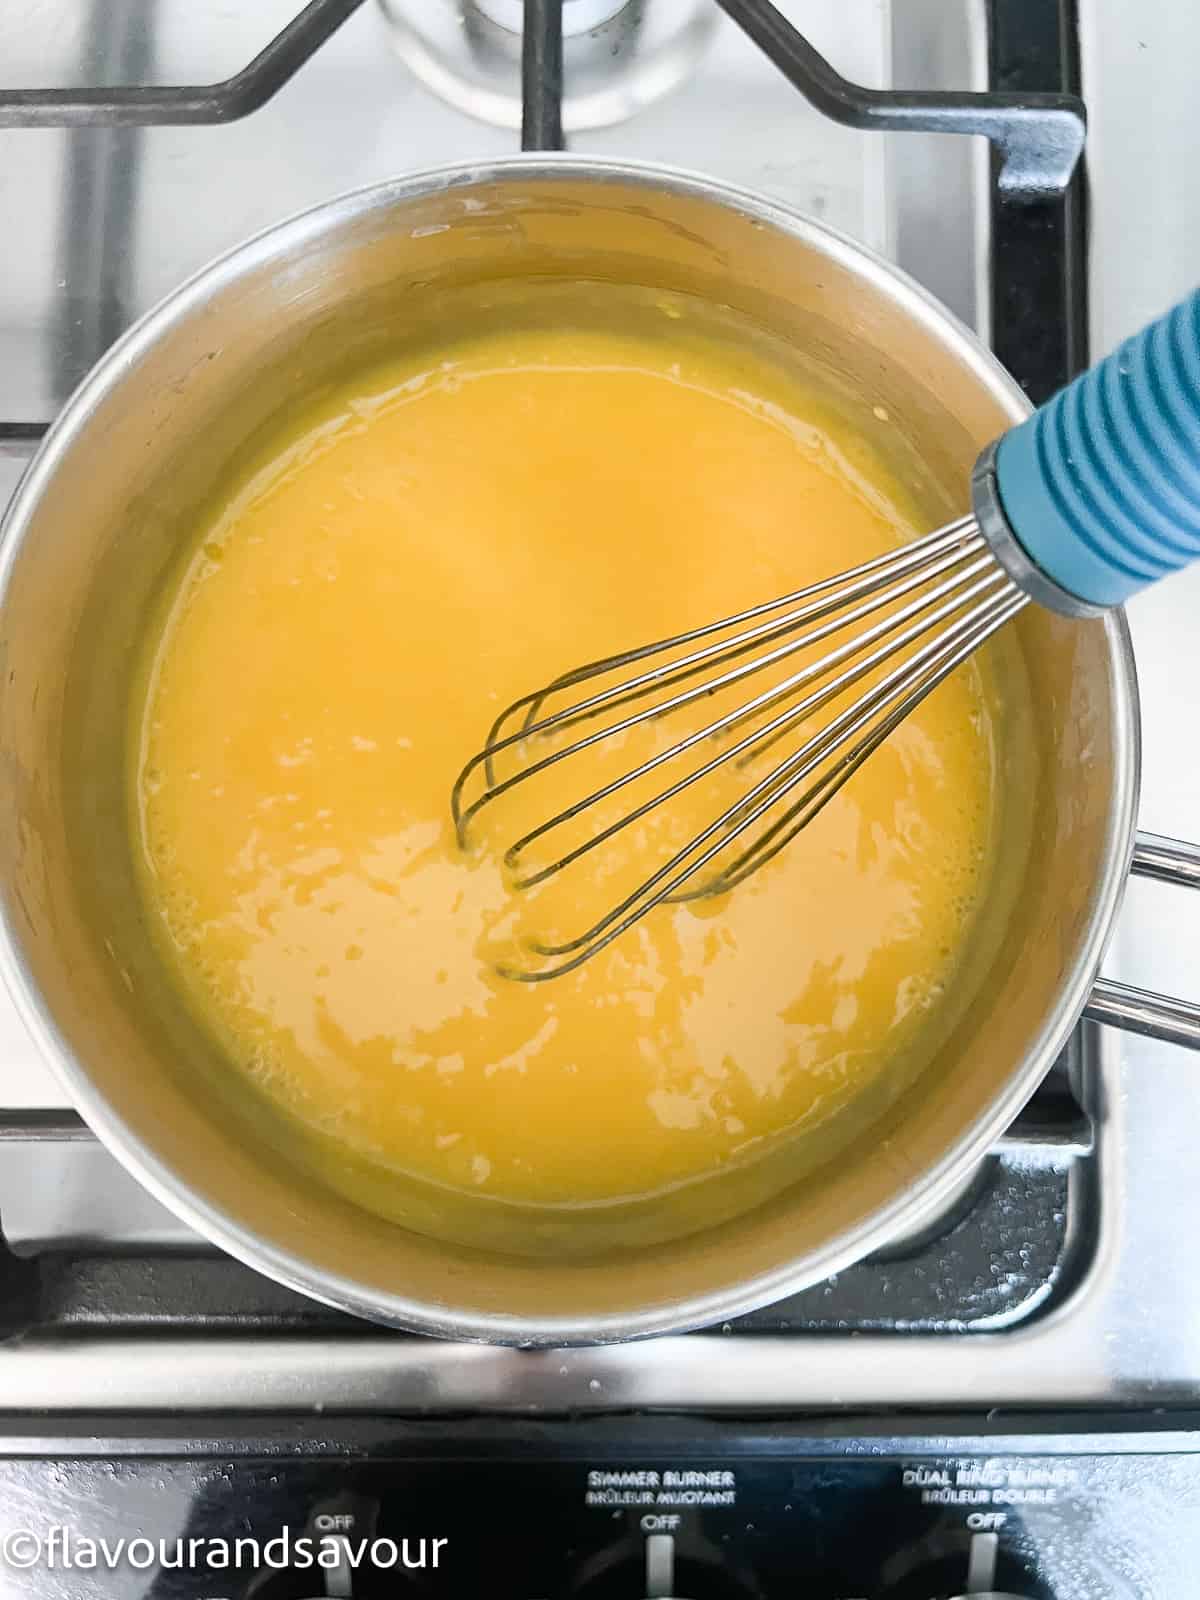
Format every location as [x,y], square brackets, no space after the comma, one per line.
[1092,498]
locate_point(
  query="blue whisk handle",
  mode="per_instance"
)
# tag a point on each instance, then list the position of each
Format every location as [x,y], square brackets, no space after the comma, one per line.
[1100,488]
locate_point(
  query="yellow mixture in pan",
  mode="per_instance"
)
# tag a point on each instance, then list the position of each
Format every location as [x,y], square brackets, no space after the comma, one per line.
[424,542]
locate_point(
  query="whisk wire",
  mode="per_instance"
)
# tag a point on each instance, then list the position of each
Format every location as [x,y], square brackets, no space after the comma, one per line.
[759,854]
[868,578]
[761,738]
[881,568]
[912,617]
[679,869]
[940,555]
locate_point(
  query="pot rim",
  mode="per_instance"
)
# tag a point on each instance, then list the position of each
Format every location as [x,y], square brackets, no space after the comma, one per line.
[924,1193]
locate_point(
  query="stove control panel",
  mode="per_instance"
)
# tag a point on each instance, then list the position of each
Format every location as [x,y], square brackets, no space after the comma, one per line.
[601,1509]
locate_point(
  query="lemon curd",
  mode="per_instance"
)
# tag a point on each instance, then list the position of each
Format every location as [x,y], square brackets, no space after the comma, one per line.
[396,559]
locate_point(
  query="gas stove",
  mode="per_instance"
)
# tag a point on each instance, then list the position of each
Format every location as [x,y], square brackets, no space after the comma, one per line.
[1000,1402]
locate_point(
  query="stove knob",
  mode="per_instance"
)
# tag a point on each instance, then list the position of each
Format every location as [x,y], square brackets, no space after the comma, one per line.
[333,1527]
[652,1568]
[335,1582]
[951,1564]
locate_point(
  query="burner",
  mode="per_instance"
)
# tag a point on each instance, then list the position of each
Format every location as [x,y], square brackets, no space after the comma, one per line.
[579,16]
[618,55]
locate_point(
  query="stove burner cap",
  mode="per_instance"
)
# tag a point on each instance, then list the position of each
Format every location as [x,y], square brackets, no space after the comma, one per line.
[618,55]
[578,15]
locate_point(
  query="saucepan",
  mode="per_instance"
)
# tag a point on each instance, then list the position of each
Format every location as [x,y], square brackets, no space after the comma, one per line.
[92,530]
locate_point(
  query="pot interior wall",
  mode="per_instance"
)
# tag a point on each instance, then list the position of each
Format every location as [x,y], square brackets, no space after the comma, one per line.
[100,524]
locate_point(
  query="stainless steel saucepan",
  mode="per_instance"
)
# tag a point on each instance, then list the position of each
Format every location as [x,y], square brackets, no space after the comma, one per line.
[92,530]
